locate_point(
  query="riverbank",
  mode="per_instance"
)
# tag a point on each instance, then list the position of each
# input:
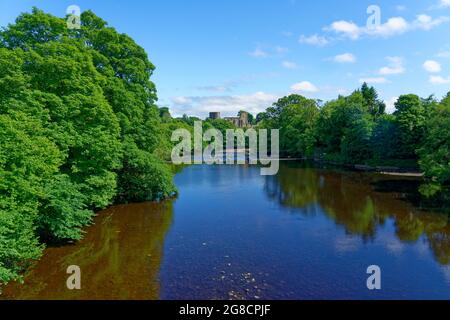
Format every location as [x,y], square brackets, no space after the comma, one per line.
[400,170]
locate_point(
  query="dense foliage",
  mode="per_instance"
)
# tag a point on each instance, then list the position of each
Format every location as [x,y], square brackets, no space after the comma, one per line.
[356,130]
[79,129]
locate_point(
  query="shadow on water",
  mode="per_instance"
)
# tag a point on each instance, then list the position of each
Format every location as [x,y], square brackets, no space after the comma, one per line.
[119,258]
[358,202]
[408,190]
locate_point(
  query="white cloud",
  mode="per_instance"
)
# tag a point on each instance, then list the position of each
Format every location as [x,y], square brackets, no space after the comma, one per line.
[444,3]
[392,27]
[345,58]
[427,23]
[258,53]
[432,66]
[289,65]
[228,105]
[314,40]
[375,80]
[268,52]
[390,105]
[395,67]
[346,28]
[181,100]
[304,86]
[438,80]
[444,54]
[400,8]
[280,50]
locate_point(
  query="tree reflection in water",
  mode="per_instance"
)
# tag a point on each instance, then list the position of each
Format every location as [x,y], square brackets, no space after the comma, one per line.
[122,250]
[351,200]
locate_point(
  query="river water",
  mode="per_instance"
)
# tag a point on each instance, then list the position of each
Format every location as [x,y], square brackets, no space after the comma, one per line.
[307,233]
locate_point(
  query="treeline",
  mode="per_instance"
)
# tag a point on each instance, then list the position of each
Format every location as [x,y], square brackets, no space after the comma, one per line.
[355,129]
[171,124]
[79,130]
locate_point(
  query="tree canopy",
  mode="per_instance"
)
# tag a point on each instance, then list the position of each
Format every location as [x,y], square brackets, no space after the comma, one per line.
[355,129]
[79,130]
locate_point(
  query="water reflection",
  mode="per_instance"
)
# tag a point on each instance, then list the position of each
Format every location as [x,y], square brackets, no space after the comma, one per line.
[358,202]
[307,233]
[119,258]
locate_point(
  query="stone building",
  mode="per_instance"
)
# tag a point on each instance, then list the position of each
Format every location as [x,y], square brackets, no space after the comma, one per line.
[240,121]
[214,115]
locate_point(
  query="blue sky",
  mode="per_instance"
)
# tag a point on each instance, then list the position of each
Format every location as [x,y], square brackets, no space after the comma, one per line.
[228,55]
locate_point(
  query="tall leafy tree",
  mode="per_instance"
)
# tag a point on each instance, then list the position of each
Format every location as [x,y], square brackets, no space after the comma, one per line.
[79,130]
[296,118]
[385,138]
[410,117]
[373,105]
[335,119]
[132,96]
[435,148]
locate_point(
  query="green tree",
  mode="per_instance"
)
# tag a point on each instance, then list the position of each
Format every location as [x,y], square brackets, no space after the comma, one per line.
[336,118]
[164,114]
[79,129]
[132,96]
[251,118]
[410,117]
[385,138]
[28,161]
[356,143]
[373,105]
[296,117]
[434,152]
[261,117]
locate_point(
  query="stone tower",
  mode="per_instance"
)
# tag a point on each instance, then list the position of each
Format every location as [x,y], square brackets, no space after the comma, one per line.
[214,115]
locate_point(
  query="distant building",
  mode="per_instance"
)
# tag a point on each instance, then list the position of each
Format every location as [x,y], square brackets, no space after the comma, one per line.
[214,115]
[240,122]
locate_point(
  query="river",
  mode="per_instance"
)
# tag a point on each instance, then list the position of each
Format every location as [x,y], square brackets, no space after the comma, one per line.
[307,233]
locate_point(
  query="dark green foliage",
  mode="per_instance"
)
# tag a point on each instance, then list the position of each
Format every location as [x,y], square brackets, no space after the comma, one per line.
[435,148]
[28,161]
[260,117]
[385,138]
[144,177]
[336,120]
[356,130]
[219,124]
[63,210]
[372,104]
[356,143]
[410,117]
[296,116]
[79,128]
[164,114]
